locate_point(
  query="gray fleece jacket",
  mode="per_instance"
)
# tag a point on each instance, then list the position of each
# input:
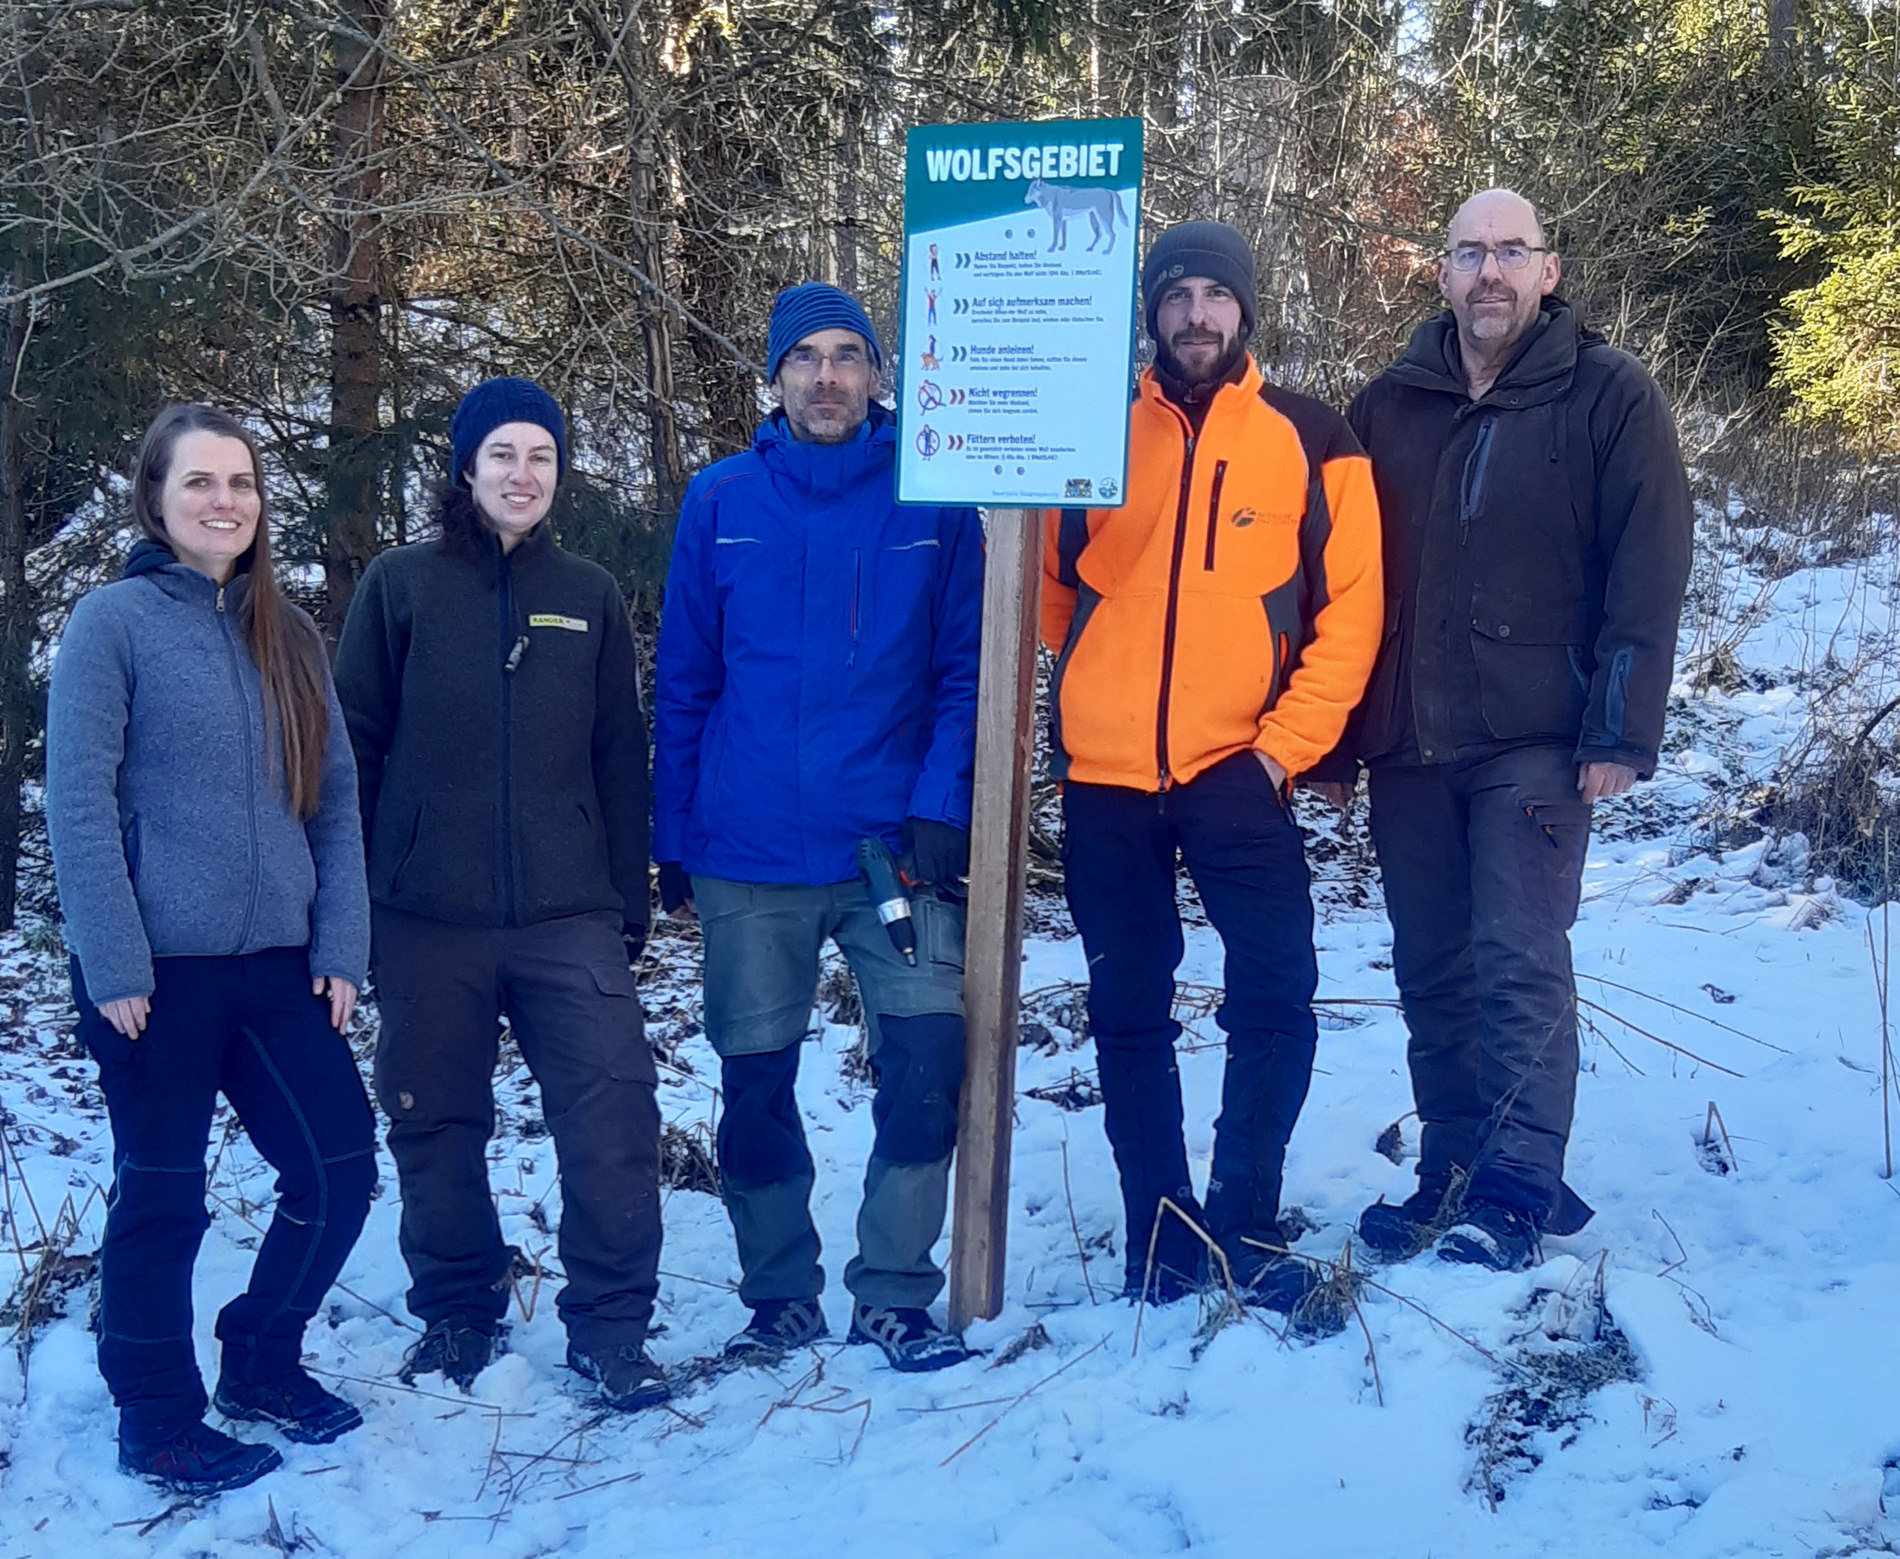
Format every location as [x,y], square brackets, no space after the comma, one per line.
[171,824]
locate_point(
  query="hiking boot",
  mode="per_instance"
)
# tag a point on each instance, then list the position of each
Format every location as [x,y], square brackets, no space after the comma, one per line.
[910,1339]
[628,1378]
[1270,1281]
[1166,1285]
[1399,1231]
[295,1403]
[776,1328]
[198,1460]
[1489,1234]
[456,1352]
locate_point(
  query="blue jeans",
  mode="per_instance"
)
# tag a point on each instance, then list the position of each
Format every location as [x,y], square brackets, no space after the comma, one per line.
[249,1028]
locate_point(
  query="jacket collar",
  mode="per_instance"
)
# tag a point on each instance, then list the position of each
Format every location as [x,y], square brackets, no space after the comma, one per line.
[1245,386]
[531,549]
[154,560]
[829,468]
[1540,370]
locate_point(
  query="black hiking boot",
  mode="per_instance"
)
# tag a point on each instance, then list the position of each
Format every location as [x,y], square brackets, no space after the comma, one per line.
[628,1378]
[776,1328]
[910,1339]
[197,1461]
[1269,1280]
[1489,1234]
[1181,1274]
[295,1403]
[456,1352]
[1399,1231]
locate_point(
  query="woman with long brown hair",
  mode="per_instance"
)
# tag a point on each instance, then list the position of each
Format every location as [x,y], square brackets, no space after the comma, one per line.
[201,800]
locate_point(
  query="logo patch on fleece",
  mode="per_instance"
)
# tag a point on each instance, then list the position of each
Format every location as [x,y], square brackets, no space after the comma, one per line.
[556,620]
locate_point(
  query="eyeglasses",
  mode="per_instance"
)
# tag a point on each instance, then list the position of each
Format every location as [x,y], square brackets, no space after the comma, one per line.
[1510,256]
[808,359]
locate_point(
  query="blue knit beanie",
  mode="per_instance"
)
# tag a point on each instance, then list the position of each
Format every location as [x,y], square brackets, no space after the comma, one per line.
[808,308]
[495,402]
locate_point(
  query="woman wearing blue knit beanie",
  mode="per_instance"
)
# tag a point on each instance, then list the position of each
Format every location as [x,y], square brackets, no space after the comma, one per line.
[490,686]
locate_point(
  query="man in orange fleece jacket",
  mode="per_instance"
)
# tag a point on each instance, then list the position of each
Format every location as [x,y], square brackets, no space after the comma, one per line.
[1213,635]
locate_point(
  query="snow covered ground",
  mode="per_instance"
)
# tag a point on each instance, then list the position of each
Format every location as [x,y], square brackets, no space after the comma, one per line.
[1711,1368]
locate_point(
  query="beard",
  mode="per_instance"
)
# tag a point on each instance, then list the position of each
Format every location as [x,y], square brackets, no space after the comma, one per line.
[1217,371]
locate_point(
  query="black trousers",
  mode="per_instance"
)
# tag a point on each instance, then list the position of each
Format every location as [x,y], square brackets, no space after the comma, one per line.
[246,1027]
[570,1000]
[1247,860]
[1483,866]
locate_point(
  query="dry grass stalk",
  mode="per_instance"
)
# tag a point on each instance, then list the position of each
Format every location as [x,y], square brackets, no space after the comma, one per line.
[538,1273]
[1167,1206]
[1637,1028]
[1711,1123]
[607,1483]
[1074,1227]
[1688,1012]
[1882,961]
[1019,1399]
[1372,1354]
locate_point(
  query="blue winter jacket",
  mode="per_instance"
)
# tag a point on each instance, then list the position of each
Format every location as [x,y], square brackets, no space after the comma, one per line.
[817,661]
[171,824]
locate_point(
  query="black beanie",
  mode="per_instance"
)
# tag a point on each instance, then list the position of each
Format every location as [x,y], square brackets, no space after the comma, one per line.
[1210,249]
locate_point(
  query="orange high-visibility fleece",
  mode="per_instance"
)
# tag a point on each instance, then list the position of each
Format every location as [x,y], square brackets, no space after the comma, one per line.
[1234,601]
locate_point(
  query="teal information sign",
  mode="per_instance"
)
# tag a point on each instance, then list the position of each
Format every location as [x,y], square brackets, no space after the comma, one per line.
[1017,313]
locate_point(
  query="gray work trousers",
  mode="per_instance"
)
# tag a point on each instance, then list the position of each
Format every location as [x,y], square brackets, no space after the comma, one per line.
[762,942]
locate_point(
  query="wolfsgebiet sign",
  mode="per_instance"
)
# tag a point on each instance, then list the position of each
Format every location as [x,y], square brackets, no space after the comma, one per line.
[1017,312]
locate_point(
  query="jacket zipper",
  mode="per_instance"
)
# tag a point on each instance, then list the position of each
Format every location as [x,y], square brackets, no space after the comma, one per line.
[250,772]
[504,837]
[1213,511]
[1174,603]
[857,591]
[1475,464]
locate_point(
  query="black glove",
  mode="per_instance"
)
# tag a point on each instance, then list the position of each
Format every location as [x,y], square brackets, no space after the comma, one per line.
[938,853]
[676,888]
[636,939]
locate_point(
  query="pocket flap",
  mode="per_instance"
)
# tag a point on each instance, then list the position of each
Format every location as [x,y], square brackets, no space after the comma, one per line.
[1533,627]
[614,979]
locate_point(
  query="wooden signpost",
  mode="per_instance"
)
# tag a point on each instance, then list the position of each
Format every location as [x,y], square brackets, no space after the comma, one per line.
[1016,322]
[993,942]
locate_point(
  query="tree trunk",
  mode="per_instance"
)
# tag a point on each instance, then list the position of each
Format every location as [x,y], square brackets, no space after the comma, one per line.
[18,714]
[1781,14]
[350,539]
[650,222]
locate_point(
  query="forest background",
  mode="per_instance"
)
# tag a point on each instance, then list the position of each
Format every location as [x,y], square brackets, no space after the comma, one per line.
[331,218]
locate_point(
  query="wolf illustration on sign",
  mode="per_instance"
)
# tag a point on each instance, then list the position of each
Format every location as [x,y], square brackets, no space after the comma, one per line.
[1061,201]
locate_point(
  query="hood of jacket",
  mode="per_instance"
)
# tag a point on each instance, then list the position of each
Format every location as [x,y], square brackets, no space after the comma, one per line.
[153,560]
[817,469]
[1541,369]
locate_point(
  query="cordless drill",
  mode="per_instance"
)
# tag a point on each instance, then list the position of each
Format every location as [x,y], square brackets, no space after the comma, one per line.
[878,867]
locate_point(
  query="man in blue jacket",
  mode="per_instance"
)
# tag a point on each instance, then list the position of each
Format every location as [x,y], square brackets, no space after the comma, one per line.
[817,688]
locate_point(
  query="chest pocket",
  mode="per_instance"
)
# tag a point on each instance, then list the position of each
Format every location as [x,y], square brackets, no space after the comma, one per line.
[900,582]
[563,645]
[1250,534]
[756,567]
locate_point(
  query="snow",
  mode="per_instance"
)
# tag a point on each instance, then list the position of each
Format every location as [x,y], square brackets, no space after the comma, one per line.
[1759,1304]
